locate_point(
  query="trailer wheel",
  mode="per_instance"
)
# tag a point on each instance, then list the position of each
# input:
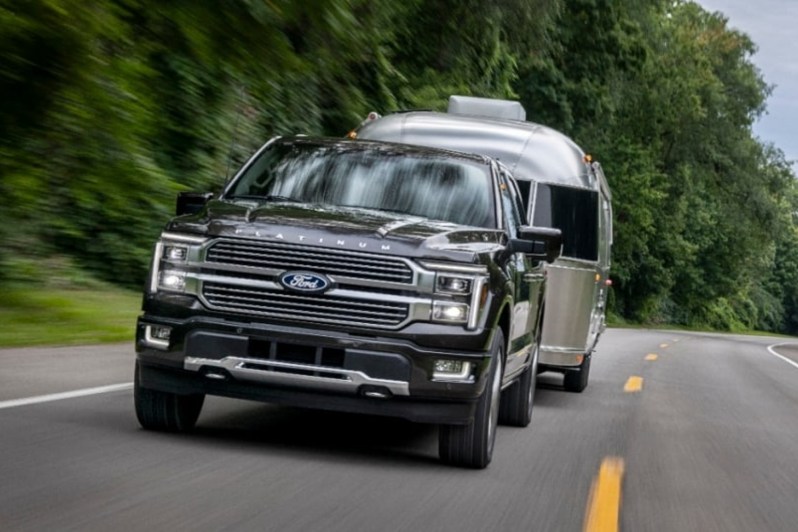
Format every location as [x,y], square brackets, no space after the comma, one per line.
[576,379]
[472,445]
[164,411]
[517,401]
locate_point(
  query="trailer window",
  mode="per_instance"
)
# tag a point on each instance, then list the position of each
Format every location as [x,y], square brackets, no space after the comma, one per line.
[574,212]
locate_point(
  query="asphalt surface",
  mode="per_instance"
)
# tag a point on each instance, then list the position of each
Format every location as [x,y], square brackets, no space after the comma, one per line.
[709,443]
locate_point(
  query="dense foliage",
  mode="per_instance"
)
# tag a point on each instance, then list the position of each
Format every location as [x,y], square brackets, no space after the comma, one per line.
[108,108]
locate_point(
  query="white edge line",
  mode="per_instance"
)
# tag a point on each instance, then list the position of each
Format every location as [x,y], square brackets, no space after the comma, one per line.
[65,395]
[785,359]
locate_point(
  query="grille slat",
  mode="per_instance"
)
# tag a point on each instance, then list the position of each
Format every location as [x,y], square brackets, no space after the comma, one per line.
[291,299]
[313,308]
[275,255]
[321,308]
[244,252]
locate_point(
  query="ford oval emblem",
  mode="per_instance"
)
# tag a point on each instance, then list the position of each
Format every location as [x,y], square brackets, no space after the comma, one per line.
[305,282]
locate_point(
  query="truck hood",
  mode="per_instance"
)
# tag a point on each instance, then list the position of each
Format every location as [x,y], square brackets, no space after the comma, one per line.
[355,229]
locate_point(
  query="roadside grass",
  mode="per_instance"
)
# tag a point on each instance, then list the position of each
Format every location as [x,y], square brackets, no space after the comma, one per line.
[33,314]
[617,322]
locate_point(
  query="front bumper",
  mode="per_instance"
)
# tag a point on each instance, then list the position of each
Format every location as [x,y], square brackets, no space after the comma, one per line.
[306,367]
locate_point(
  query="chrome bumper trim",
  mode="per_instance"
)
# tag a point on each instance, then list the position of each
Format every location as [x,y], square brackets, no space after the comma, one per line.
[558,356]
[290,374]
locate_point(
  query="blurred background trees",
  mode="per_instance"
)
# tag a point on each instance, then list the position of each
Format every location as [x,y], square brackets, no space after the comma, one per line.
[108,108]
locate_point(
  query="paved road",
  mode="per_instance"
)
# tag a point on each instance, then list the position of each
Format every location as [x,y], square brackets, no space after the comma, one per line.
[709,442]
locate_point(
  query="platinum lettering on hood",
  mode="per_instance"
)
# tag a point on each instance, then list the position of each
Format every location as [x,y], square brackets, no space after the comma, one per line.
[311,240]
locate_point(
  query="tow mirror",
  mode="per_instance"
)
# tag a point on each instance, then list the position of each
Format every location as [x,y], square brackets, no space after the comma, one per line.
[191,202]
[539,243]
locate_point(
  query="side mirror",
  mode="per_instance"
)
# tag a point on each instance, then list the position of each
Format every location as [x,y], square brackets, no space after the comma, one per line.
[539,243]
[191,202]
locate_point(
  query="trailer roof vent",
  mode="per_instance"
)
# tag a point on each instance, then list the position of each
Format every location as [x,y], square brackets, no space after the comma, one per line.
[469,105]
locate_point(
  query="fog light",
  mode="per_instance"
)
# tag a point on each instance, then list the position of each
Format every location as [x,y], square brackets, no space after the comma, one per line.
[161,333]
[452,370]
[172,280]
[449,312]
[157,336]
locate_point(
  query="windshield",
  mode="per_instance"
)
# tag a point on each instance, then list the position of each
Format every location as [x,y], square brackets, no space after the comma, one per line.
[440,187]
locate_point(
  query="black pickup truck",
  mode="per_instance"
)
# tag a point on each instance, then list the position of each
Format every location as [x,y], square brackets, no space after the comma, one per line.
[355,276]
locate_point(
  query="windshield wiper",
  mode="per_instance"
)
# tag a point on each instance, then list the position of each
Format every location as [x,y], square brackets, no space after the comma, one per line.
[381,209]
[264,198]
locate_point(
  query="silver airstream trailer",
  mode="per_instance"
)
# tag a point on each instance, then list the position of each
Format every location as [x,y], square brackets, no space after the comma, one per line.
[562,188]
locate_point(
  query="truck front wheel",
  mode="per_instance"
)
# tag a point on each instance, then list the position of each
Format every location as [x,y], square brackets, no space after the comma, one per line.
[518,399]
[472,445]
[164,411]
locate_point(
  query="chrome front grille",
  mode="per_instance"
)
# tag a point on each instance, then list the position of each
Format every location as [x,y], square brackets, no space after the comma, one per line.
[333,262]
[320,308]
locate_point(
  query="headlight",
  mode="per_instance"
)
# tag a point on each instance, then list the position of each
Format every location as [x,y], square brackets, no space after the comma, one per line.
[172,280]
[449,312]
[450,284]
[459,292]
[173,253]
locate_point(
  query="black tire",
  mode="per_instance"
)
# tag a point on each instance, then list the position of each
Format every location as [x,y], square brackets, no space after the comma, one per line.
[472,445]
[576,379]
[164,411]
[515,408]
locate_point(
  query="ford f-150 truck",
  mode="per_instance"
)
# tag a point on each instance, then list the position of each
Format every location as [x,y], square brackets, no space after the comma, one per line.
[354,276]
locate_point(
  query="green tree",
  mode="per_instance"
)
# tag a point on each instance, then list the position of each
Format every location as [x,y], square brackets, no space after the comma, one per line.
[109,107]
